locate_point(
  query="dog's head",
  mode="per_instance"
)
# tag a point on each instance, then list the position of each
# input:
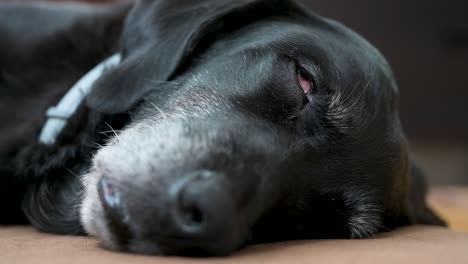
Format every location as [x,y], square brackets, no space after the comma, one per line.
[251,121]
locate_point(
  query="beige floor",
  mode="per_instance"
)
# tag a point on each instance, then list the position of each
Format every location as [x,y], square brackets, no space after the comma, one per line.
[411,245]
[452,204]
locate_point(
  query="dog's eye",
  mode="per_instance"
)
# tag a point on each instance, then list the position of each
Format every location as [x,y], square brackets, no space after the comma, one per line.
[306,83]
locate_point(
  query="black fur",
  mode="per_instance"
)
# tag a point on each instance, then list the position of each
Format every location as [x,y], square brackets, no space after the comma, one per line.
[332,163]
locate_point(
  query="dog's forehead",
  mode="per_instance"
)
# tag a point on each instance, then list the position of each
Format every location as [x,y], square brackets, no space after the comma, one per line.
[256,65]
[343,56]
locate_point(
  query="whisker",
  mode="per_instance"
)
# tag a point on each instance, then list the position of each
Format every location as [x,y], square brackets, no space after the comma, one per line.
[97,145]
[70,171]
[163,82]
[78,197]
[112,130]
[165,117]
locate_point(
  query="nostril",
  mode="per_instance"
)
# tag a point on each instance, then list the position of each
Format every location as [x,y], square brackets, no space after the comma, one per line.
[202,213]
[111,197]
[190,212]
[195,200]
[116,213]
[199,203]
[195,215]
[109,193]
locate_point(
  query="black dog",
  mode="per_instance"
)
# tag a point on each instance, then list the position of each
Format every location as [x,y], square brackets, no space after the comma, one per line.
[226,123]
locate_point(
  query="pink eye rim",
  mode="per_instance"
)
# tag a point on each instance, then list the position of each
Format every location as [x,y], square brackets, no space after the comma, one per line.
[305,81]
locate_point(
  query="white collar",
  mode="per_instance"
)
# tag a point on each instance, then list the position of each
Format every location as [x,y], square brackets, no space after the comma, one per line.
[58,116]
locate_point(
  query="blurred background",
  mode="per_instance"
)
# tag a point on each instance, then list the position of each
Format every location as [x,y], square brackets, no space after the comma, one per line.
[426,42]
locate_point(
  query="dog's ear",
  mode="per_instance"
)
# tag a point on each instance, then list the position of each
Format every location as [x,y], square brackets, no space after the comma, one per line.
[418,210]
[162,38]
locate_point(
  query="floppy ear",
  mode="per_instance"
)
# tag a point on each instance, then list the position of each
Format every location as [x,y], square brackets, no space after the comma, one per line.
[419,212]
[161,39]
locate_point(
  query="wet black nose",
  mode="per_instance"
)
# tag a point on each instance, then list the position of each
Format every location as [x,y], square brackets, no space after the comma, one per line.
[202,208]
[198,218]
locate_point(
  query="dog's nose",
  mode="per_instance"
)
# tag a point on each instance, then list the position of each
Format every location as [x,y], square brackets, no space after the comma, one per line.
[202,209]
[198,215]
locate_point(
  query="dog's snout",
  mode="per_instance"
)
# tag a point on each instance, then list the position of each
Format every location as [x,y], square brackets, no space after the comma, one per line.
[196,213]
